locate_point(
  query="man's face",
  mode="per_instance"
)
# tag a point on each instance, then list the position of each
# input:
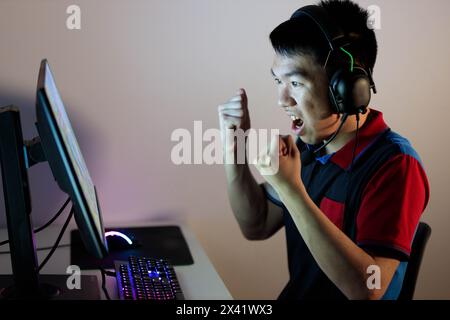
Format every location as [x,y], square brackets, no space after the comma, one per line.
[303,94]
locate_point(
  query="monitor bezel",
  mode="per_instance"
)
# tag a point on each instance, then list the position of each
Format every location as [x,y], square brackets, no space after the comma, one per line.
[64,171]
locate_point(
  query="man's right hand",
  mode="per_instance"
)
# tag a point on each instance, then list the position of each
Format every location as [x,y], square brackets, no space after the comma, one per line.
[233,115]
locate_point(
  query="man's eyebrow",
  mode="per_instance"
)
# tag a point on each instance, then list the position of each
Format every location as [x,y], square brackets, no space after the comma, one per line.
[297,72]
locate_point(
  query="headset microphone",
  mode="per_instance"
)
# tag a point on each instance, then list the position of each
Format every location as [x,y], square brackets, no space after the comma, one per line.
[308,156]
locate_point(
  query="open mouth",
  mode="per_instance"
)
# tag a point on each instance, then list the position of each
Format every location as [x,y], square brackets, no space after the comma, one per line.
[296,122]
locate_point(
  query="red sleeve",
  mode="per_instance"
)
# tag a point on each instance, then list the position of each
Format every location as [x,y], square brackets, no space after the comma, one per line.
[391,206]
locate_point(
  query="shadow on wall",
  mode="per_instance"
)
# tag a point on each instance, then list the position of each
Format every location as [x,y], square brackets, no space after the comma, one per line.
[46,197]
[162,217]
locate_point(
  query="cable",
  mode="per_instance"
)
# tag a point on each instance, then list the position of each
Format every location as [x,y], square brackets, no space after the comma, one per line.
[105,291]
[356,142]
[54,218]
[308,156]
[351,58]
[40,249]
[350,172]
[48,248]
[55,246]
[344,118]
[45,225]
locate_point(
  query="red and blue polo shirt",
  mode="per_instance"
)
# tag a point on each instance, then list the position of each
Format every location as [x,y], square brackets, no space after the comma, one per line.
[377,202]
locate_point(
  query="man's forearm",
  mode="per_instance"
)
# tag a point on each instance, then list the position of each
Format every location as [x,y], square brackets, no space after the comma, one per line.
[247,200]
[339,258]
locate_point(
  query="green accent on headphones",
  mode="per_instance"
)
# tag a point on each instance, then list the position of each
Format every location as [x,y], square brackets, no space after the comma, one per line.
[351,58]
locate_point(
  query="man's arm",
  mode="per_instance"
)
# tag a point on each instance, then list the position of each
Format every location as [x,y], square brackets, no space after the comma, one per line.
[344,262]
[258,217]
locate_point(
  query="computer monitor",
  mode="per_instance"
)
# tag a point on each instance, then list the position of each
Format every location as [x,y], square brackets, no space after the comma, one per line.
[66,161]
[57,145]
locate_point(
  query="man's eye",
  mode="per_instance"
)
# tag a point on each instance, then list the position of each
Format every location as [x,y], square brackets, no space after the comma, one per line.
[296,84]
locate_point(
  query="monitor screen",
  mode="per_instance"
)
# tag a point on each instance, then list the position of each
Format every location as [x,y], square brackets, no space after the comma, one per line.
[66,161]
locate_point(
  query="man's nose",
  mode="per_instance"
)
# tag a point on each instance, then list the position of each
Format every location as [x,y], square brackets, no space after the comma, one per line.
[285,99]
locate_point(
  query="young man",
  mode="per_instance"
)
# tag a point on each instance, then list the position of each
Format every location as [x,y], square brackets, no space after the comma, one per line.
[350,208]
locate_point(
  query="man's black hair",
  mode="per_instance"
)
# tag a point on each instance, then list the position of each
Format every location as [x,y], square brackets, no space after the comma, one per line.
[303,36]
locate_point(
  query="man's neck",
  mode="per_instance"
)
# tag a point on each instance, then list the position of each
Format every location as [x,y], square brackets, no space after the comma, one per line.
[347,133]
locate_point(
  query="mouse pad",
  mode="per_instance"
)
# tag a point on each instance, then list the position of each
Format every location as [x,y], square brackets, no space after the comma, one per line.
[155,242]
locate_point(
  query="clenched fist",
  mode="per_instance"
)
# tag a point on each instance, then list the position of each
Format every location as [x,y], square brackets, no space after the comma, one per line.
[281,165]
[233,115]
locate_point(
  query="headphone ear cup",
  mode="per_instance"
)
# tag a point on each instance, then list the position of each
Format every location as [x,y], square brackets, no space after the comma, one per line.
[337,103]
[361,93]
[351,90]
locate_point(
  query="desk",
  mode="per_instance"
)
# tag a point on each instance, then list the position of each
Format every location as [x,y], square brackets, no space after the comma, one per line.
[198,281]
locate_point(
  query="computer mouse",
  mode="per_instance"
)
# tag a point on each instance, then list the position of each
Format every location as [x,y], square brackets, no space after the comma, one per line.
[118,241]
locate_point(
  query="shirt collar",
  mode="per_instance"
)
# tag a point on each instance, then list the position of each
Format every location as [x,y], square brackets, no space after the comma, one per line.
[373,128]
[368,134]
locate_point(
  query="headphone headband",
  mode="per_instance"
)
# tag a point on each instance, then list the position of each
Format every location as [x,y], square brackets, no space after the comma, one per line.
[332,32]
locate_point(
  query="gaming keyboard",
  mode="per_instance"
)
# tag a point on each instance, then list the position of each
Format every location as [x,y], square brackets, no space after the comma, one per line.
[142,278]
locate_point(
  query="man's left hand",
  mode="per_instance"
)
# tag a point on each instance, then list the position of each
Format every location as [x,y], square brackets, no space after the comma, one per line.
[284,150]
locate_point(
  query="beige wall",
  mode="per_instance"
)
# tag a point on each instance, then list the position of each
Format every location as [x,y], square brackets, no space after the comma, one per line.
[137,70]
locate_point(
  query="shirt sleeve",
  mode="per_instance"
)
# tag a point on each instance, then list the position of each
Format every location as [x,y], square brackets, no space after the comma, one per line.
[391,206]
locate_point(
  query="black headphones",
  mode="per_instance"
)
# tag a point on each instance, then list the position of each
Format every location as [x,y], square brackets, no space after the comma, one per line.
[349,87]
